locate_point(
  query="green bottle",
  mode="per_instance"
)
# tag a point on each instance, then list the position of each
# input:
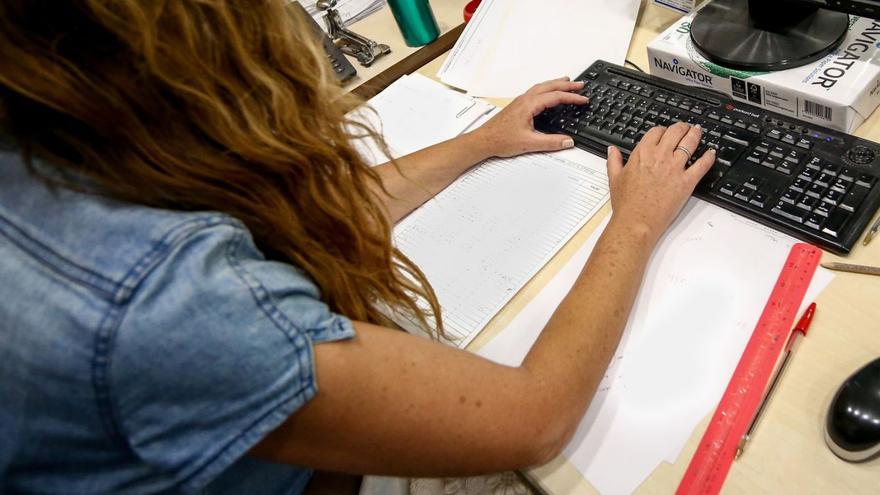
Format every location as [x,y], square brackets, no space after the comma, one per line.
[416,21]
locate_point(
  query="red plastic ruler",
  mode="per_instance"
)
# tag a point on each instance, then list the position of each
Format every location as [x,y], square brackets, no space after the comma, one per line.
[715,454]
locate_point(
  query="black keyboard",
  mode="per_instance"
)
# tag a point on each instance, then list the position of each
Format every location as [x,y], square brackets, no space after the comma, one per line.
[813,183]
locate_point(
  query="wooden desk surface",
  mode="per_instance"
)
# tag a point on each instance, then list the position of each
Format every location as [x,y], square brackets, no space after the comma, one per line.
[788,453]
[381,28]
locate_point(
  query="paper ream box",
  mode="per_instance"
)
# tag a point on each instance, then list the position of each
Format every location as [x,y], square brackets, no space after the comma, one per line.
[839,91]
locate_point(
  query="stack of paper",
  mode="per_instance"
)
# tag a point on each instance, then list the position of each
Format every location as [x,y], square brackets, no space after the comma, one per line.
[351,11]
[415,112]
[509,45]
[703,293]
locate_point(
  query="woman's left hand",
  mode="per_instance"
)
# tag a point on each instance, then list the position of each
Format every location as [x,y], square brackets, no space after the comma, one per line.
[512,132]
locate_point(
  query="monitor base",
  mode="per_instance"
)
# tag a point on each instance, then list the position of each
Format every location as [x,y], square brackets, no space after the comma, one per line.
[764,36]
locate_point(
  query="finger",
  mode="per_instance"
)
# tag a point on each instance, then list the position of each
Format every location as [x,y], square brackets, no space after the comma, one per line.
[561,84]
[615,164]
[549,100]
[549,142]
[652,137]
[691,141]
[673,137]
[701,166]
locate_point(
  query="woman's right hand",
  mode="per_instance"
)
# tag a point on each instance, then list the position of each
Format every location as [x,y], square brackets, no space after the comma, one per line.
[652,188]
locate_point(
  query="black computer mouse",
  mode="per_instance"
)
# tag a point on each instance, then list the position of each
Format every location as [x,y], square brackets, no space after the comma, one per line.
[852,429]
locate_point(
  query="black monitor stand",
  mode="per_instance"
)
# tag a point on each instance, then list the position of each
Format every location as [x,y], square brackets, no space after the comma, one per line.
[766,35]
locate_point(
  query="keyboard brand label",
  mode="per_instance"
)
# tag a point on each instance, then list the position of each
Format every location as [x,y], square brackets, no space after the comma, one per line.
[744,112]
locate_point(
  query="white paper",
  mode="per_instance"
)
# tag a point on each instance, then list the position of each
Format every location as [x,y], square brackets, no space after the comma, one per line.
[350,11]
[509,45]
[704,290]
[416,112]
[482,238]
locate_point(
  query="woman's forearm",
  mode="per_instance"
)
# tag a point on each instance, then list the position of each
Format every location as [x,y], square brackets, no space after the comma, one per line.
[421,175]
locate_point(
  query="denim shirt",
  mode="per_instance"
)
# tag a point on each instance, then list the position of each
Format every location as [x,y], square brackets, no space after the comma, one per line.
[144,351]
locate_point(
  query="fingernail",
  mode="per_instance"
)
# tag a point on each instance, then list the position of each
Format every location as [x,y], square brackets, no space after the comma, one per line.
[712,150]
[568,143]
[585,98]
[698,127]
[610,149]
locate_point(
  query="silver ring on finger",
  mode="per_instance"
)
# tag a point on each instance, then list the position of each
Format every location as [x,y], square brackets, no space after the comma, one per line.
[685,150]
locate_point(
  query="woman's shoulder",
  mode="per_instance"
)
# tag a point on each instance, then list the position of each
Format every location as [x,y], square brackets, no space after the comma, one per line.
[86,239]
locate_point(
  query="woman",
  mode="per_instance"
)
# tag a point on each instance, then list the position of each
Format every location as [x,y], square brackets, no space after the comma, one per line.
[196,265]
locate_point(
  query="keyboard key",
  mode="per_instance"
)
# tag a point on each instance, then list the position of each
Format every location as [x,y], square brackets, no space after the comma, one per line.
[714,115]
[754,183]
[785,168]
[741,124]
[854,199]
[763,147]
[814,221]
[831,169]
[771,162]
[790,197]
[847,174]
[824,209]
[725,119]
[815,163]
[624,85]
[754,128]
[775,134]
[804,143]
[865,180]
[737,137]
[833,197]
[794,157]
[743,194]
[807,203]
[755,157]
[759,199]
[835,223]
[789,138]
[809,174]
[778,152]
[614,82]
[823,180]
[790,212]
[728,155]
[697,109]
[800,184]
[841,186]
[816,191]
[727,188]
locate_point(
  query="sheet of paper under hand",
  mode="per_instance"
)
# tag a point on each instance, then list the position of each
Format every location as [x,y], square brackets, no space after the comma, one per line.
[486,235]
[703,293]
[509,45]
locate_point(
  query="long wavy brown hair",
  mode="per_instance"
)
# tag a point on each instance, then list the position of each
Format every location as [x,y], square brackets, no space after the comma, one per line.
[222,105]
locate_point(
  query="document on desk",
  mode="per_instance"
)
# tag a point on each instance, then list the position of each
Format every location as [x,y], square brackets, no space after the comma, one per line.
[509,45]
[704,290]
[416,112]
[482,238]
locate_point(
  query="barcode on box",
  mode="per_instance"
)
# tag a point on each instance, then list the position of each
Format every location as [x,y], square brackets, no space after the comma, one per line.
[819,111]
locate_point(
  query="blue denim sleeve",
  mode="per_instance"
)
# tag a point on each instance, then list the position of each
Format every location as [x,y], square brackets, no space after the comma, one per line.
[214,352]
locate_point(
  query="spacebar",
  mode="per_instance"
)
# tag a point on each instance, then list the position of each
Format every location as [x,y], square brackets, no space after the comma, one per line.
[606,140]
